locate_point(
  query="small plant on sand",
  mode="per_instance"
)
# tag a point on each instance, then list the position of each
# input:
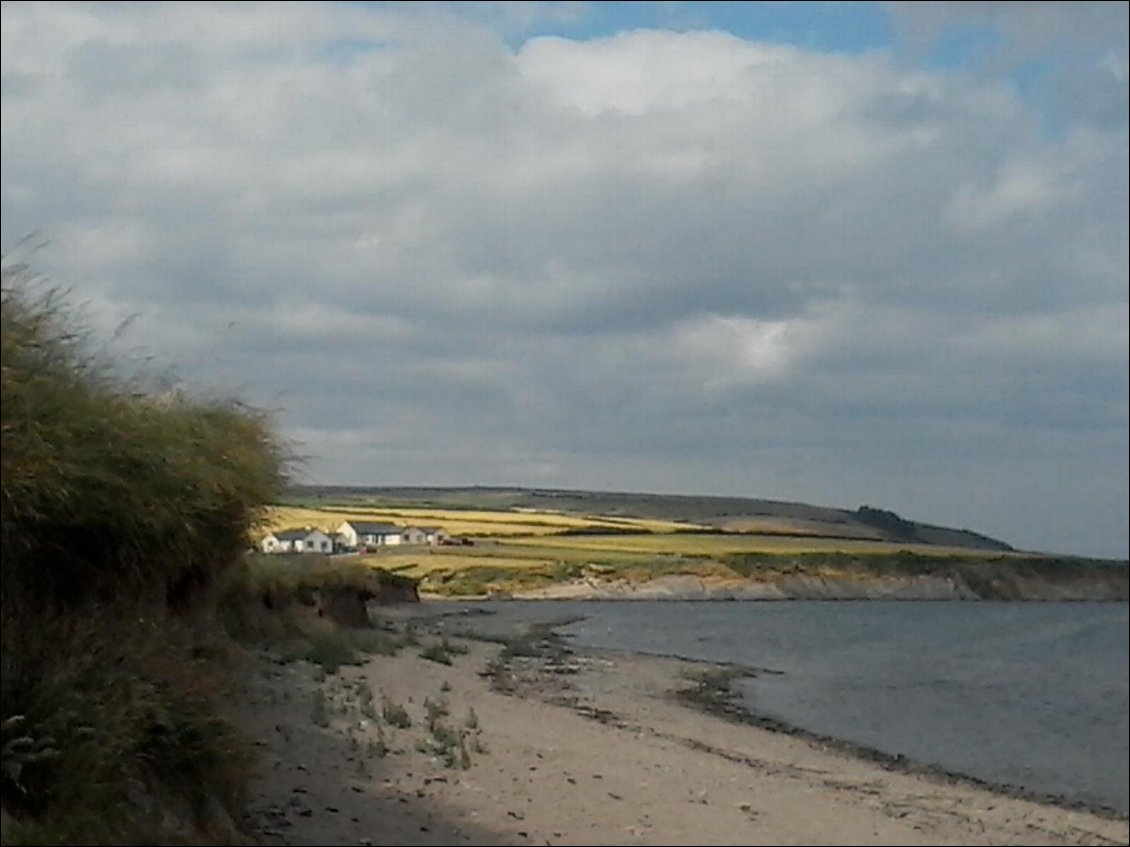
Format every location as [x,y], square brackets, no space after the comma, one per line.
[330,650]
[464,761]
[453,648]
[449,744]
[378,747]
[472,720]
[319,709]
[442,651]
[436,653]
[434,710]
[376,643]
[394,714]
[365,701]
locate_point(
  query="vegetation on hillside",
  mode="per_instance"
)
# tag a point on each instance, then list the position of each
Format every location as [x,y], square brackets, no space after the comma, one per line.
[467,522]
[512,566]
[121,507]
[737,514]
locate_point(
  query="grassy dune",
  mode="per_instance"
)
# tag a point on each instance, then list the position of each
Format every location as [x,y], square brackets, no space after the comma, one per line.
[123,506]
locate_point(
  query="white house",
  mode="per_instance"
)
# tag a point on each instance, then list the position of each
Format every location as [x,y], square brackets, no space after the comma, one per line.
[431,535]
[297,541]
[365,534]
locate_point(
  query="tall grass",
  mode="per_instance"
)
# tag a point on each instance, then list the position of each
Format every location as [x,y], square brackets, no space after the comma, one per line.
[108,488]
[120,506]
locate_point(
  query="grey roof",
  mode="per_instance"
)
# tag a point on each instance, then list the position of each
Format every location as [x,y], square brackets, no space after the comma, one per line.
[365,528]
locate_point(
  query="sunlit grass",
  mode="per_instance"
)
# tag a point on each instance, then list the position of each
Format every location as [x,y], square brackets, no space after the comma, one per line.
[711,545]
[465,522]
[417,565]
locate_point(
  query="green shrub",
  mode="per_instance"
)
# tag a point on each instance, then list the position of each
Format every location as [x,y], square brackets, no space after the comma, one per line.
[394,714]
[330,649]
[95,706]
[436,653]
[122,502]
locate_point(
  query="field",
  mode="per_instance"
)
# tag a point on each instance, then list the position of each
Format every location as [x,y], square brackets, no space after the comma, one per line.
[504,544]
[467,523]
[709,545]
[519,548]
[507,566]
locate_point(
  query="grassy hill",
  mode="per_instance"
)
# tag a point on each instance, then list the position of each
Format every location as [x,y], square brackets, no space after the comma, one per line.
[730,514]
[606,544]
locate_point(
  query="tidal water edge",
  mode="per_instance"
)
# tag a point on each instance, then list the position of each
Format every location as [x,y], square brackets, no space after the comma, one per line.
[1030,695]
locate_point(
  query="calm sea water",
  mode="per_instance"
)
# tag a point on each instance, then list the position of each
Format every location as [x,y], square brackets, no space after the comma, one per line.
[1026,694]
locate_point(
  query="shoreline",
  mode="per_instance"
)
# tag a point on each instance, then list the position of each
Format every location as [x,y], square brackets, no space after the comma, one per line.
[714,695]
[590,747]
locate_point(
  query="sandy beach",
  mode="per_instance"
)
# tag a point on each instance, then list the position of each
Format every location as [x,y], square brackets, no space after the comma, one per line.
[534,743]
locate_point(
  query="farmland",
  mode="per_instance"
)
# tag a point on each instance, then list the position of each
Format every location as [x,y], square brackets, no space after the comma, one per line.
[515,548]
[467,522]
[709,545]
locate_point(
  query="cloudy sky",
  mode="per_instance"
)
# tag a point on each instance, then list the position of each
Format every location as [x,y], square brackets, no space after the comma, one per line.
[842,253]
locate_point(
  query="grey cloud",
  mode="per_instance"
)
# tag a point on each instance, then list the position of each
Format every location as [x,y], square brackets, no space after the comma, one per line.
[445,261]
[1027,28]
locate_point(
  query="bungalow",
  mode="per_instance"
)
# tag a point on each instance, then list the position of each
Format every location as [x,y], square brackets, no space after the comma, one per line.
[435,534]
[363,534]
[296,541]
[430,535]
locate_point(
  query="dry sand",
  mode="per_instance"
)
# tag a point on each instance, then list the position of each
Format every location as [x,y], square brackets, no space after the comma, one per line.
[585,749]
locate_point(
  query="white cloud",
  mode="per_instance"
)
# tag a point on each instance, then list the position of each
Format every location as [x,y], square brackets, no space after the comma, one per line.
[1022,189]
[734,351]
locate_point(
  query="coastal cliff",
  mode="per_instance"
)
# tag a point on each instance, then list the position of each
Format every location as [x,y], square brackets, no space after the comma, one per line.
[957,581]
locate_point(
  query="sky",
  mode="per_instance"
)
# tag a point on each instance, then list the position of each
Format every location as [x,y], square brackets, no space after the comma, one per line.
[839,253]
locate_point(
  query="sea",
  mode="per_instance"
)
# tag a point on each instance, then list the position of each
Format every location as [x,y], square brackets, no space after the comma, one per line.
[1027,695]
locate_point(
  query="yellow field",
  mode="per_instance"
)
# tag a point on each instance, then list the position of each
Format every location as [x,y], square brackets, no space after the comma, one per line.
[707,545]
[475,524]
